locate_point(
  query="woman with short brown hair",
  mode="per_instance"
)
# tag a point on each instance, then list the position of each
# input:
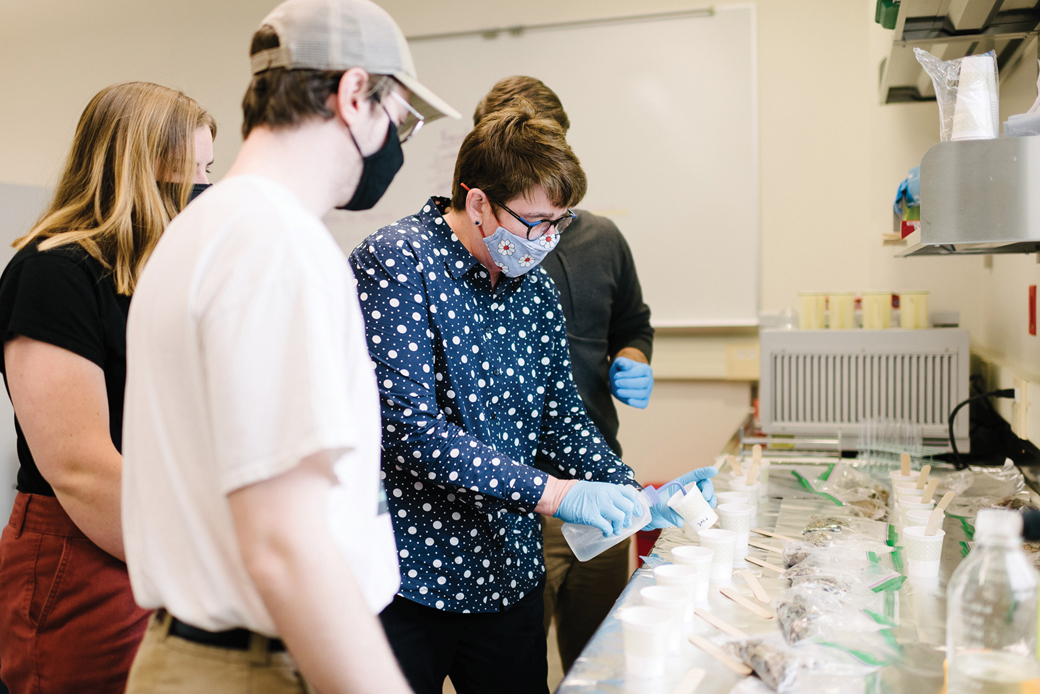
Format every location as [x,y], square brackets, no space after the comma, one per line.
[68,621]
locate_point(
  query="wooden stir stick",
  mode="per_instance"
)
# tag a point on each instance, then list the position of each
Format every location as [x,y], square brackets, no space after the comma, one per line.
[922,479]
[689,683]
[760,593]
[759,545]
[720,624]
[929,490]
[744,602]
[719,655]
[735,464]
[752,474]
[934,521]
[756,454]
[770,533]
[904,462]
[947,498]
[764,564]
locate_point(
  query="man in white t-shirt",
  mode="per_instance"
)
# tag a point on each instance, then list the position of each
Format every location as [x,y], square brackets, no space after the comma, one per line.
[254,517]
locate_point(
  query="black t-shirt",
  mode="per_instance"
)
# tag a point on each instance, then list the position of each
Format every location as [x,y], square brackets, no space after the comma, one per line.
[64,297]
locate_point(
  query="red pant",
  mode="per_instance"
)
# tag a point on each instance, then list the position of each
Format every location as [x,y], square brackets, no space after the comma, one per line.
[68,621]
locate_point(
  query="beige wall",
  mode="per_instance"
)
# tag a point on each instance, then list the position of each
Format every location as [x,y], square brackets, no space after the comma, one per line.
[831,157]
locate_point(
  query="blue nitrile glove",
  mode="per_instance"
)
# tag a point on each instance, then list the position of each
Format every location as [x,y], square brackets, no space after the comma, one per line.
[606,506]
[662,515]
[702,476]
[631,382]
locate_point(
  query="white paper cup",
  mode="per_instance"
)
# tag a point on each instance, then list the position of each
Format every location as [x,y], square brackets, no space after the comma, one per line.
[700,558]
[913,503]
[975,114]
[733,498]
[737,517]
[646,632]
[898,476]
[922,552]
[723,544]
[681,576]
[674,602]
[694,509]
[763,478]
[916,518]
[753,491]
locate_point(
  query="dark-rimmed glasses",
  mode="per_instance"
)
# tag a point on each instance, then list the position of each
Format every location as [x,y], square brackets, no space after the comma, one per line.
[540,229]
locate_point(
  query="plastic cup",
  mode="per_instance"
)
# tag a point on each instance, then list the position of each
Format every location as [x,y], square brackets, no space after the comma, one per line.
[913,311]
[877,310]
[694,509]
[737,517]
[733,497]
[723,544]
[812,310]
[674,602]
[699,557]
[646,633]
[683,577]
[843,310]
[922,552]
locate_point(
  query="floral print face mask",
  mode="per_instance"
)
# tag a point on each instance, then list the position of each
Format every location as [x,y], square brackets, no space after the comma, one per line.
[515,255]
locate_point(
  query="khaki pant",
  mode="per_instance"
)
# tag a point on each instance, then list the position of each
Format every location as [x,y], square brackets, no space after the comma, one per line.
[579,594]
[167,664]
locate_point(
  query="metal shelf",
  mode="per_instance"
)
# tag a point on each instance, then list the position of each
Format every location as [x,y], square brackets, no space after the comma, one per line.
[953,29]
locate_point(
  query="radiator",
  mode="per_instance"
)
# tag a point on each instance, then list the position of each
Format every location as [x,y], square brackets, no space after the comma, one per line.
[827,383]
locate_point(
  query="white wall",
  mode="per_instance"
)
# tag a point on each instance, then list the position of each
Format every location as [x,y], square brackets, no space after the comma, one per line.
[830,155]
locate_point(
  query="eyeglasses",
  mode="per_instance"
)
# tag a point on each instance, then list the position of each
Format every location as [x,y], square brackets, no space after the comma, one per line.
[539,229]
[412,123]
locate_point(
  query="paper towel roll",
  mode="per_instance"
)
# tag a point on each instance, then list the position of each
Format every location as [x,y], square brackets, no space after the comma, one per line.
[975,113]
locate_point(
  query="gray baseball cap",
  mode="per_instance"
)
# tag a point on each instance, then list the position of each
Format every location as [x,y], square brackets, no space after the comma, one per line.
[341,34]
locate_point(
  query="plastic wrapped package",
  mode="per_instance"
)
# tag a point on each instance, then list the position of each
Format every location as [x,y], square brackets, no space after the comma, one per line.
[968,95]
[825,530]
[837,575]
[809,611]
[806,668]
[861,494]
[796,552]
[1003,481]
[956,481]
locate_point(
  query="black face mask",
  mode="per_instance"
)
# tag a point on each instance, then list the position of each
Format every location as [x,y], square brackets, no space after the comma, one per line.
[377,171]
[196,190]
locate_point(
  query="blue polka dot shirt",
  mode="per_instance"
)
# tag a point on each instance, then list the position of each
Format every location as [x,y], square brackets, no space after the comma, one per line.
[474,381]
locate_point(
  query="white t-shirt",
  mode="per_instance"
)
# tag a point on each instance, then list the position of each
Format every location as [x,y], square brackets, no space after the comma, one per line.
[246,353]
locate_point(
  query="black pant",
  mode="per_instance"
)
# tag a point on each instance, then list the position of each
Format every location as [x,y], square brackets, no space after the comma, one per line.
[486,653]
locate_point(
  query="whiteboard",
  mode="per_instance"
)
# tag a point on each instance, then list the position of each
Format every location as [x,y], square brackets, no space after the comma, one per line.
[20,206]
[664,120]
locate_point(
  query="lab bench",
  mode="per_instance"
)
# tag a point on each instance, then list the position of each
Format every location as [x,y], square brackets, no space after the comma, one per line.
[918,607]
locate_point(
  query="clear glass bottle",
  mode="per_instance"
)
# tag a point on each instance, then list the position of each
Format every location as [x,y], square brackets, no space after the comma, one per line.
[991,615]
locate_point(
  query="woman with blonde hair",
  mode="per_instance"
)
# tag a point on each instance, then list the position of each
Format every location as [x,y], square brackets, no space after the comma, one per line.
[68,621]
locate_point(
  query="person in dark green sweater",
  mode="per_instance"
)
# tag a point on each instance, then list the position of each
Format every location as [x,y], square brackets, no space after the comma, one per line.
[611,343]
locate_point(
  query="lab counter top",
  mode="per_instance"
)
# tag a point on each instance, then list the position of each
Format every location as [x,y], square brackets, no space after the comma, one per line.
[918,607]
